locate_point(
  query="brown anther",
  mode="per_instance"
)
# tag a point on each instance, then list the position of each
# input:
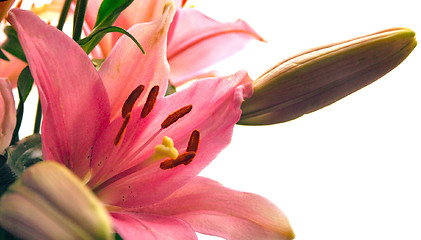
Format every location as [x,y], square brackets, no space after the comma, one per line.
[120,133]
[173,117]
[131,100]
[193,141]
[150,102]
[185,158]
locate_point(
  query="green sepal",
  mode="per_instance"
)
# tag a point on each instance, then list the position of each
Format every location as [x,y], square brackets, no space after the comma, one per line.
[25,82]
[109,11]
[89,43]
[12,44]
[24,154]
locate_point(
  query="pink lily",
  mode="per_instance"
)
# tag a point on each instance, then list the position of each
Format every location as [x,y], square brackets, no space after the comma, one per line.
[110,135]
[7,114]
[195,41]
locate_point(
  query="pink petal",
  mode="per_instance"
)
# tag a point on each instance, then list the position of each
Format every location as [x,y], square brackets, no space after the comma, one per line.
[74,102]
[199,41]
[212,209]
[143,11]
[216,108]
[127,67]
[151,227]
[11,69]
[7,114]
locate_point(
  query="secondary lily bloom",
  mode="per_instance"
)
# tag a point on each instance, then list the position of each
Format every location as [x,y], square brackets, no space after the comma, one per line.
[138,151]
[195,41]
[7,114]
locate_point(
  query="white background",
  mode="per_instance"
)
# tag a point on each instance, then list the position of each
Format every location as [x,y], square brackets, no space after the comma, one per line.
[351,170]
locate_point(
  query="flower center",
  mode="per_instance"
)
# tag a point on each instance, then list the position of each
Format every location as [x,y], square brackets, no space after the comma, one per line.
[166,150]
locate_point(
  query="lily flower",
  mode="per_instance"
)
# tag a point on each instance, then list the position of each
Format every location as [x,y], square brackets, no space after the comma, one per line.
[7,114]
[138,151]
[195,41]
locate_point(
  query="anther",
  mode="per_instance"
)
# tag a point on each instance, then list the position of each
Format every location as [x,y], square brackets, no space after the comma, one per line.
[120,133]
[150,102]
[185,158]
[131,100]
[19,4]
[173,117]
[193,141]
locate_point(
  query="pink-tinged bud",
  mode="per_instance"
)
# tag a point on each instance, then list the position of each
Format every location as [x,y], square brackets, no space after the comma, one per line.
[49,202]
[319,77]
[7,114]
[4,8]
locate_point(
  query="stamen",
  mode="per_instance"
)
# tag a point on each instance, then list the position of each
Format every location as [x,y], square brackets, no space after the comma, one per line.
[130,101]
[164,150]
[193,141]
[150,101]
[120,133]
[185,158]
[173,117]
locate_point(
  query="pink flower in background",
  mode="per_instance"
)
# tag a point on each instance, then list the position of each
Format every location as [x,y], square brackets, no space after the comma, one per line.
[139,151]
[7,114]
[195,41]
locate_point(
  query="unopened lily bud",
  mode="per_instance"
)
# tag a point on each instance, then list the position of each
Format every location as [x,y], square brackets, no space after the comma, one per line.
[319,77]
[4,7]
[49,202]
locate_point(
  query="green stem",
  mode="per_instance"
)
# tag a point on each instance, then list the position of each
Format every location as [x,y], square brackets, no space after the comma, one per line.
[19,115]
[79,18]
[63,14]
[38,118]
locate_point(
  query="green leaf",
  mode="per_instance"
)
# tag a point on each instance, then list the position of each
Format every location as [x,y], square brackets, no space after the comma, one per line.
[25,82]
[3,56]
[12,44]
[24,154]
[170,89]
[109,11]
[97,63]
[7,176]
[118,237]
[4,235]
[89,43]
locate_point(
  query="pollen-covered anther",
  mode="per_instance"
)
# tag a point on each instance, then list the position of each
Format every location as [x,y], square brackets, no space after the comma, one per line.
[131,100]
[120,133]
[185,158]
[193,141]
[150,102]
[173,117]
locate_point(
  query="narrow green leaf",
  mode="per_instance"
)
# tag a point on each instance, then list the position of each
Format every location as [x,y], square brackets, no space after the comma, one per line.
[89,43]
[12,44]
[4,235]
[25,82]
[109,11]
[79,18]
[3,56]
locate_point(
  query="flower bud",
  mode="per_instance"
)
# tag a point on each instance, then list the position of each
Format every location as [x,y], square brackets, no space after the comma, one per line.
[319,77]
[49,202]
